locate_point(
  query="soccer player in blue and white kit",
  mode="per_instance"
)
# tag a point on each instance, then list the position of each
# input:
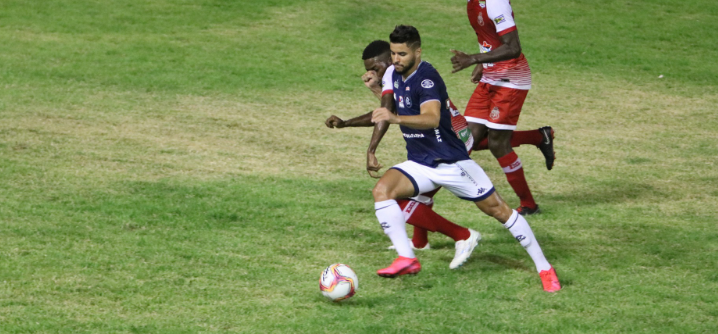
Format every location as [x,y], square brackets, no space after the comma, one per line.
[436,157]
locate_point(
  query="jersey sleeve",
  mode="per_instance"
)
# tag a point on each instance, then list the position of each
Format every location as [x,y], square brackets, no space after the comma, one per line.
[386,87]
[500,12]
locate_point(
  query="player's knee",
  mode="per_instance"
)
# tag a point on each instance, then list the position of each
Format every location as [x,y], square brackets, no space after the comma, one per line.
[499,146]
[381,192]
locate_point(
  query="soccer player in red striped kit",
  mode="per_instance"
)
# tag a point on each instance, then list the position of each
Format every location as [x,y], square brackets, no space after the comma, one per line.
[504,79]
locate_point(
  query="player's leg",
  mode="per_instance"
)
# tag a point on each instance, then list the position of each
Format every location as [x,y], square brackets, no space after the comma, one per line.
[500,146]
[506,106]
[542,138]
[398,182]
[494,206]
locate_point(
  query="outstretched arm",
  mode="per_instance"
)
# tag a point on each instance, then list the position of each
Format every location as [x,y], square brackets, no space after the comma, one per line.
[510,49]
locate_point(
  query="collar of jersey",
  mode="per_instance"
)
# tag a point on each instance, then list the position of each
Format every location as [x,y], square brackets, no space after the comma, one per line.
[417,70]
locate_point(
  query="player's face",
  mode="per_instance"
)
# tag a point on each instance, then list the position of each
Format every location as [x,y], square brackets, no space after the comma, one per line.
[377,64]
[403,57]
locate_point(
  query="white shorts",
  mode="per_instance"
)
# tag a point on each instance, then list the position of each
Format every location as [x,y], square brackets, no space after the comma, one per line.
[464,178]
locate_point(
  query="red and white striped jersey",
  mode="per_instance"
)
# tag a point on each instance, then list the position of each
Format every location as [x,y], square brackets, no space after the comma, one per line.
[490,20]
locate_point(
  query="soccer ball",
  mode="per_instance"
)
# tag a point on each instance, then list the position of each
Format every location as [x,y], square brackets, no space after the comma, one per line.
[338,282]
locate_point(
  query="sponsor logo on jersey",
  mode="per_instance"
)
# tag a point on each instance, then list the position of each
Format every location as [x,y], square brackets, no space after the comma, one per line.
[495,113]
[499,19]
[401,102]
[408,101]
[481,20]
[427,83]
[485,47]
[482,4]
[413,135]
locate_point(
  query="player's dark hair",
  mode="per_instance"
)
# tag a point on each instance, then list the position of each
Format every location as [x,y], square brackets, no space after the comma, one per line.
[375,49]
[406,34]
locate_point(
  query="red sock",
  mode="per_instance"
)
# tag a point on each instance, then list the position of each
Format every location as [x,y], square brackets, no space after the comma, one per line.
[515,175]
[421,227]
[519,138]
[424,215]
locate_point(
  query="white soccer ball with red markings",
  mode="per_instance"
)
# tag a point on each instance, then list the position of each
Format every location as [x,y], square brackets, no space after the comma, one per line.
[338,282]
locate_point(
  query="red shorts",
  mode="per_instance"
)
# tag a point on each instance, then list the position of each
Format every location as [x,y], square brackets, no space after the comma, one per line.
[496,107]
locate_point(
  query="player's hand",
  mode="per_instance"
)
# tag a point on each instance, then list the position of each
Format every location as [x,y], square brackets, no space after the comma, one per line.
[383,114]
[334,122]
[477,73]
[460,60]
[371,80]
[372,165]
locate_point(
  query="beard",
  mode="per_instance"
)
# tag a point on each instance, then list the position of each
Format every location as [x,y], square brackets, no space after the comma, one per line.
[404,68]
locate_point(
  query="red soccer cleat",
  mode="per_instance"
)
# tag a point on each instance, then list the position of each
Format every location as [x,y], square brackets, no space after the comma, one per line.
[400,266]
[550,280]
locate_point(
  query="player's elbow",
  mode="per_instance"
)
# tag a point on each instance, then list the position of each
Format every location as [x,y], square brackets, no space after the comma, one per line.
[515,52]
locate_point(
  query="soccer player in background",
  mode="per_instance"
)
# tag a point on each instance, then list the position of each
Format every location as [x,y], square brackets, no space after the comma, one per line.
[504,79]
[417,210]
[436,157]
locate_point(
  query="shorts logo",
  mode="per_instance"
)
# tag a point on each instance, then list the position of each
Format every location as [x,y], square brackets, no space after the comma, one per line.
[408,102]
[499,19]
[427,83]
[495,113]
[481,191]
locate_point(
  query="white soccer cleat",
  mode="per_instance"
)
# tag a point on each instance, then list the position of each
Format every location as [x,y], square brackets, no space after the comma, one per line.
[412,246]
[464,249]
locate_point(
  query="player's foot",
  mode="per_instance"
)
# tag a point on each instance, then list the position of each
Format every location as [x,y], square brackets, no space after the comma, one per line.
[550,280]
[526,211]
[411,242]
[546,146]
[400,266]
[464,249]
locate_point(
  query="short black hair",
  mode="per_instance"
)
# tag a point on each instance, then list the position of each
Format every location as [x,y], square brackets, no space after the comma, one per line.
[406,34]
[375,49]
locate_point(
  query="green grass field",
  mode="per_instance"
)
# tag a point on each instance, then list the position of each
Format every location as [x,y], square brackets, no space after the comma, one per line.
[164,168]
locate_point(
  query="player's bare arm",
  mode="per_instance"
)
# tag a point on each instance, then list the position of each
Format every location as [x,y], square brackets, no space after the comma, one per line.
[428,118]
[359,121]
[372,164]
[510,49]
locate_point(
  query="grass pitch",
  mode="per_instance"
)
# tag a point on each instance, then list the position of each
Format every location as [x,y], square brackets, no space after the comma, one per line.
[164,168]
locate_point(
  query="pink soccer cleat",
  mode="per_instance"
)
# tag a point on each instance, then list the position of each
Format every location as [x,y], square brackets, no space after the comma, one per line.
[550,280]
[400,266]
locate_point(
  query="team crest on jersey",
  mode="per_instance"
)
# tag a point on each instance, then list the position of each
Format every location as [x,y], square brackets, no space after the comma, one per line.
[495,113]
[396,84]
[427,83]
[482,4]
[499,19]
[408,101]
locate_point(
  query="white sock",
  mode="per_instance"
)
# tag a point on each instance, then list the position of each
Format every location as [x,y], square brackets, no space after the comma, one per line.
[392,221]
[520,229]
